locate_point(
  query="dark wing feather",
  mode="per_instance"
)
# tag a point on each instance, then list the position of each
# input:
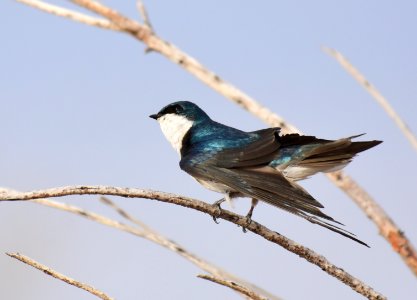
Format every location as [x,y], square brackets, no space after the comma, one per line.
[260,152]
[267,185]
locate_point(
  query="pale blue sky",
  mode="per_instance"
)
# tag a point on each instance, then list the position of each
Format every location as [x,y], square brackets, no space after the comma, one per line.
[75,103]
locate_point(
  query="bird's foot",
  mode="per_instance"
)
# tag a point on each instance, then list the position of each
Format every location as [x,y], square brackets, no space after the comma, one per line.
[249,215]
[217,205]
[248,221]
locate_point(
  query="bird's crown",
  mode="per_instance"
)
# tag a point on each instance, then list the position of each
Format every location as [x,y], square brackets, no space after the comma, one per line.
[186,109]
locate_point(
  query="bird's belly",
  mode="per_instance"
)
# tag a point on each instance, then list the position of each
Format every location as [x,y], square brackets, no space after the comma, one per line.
[214,186]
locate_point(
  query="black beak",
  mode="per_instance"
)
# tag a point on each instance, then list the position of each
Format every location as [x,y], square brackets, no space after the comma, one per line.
[154,116]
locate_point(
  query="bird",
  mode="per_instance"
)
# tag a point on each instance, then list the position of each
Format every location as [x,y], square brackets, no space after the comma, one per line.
[263,165]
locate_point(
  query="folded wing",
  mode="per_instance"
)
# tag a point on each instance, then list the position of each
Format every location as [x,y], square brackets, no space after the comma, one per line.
[246,170]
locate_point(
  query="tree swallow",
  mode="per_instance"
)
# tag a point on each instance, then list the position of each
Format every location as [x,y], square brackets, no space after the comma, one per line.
[262,165]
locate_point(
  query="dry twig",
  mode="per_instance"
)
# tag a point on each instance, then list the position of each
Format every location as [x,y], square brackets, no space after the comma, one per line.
[201,206]
[59,276]
[234,286]
[146,232]
[144,14]
[379,98]
[70,14]
[156,237]
[127,216]
[388,229]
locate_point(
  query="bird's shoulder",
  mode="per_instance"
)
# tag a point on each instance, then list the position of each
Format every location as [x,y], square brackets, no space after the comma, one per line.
[228,147]
[212,137]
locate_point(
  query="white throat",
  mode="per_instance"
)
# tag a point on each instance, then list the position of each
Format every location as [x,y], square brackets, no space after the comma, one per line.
[175,127]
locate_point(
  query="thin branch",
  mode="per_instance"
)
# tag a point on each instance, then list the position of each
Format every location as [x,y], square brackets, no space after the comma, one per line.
[70,14]
[201,206]
[159,239]
[381,100]
[234,286]
[147,233]
[126,215]
[125,24]
[142,33]
[387,228]
[59,276]
[144,14]
[156,238]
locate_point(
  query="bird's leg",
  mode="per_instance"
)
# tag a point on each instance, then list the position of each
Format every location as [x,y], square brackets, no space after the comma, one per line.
[249,214]
[219,208]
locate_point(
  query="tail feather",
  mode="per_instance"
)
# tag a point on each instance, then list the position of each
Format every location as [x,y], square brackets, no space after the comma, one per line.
[342,147]
[336,229]
[324,155]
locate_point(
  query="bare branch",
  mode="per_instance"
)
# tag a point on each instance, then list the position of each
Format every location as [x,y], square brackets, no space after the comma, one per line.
[387,228]
[124,23]
[144,14]
[126,215]
[234,286]
[201,206]
[156,237]
[153,42]
[381,100]
[59,276]
[189,63]
[70,14]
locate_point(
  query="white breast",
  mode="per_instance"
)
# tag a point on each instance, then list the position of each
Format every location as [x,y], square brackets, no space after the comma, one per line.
[175,127]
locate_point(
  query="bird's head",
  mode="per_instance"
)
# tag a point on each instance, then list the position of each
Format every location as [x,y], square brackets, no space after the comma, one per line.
[177,118]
